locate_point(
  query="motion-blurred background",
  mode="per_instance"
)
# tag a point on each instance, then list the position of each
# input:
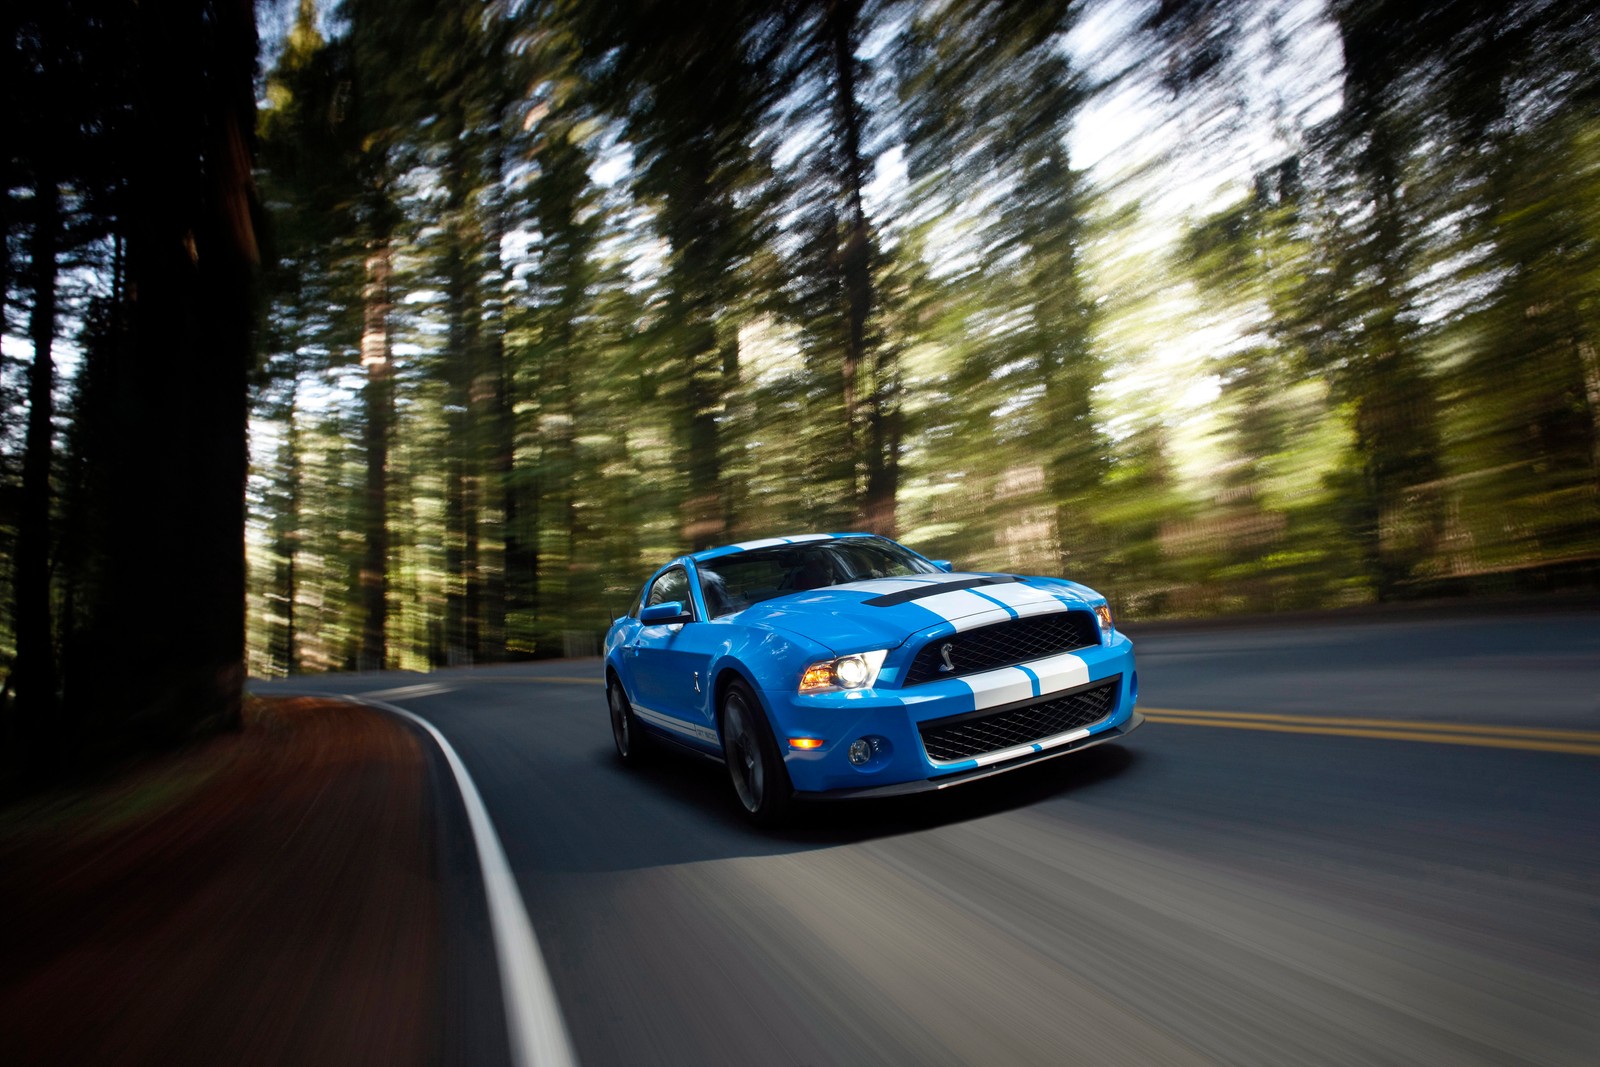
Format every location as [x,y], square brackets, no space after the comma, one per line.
[1217,306]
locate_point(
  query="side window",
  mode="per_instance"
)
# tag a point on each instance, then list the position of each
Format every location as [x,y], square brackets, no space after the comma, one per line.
[638,602]
[714,591]
[673,585]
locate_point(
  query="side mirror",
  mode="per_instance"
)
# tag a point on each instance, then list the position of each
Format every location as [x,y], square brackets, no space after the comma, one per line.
[665,614]
[944,565]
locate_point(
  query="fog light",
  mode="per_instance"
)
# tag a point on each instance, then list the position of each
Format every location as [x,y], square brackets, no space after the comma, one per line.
[860,751]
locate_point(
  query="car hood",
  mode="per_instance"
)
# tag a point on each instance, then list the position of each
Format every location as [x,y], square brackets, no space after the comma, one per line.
[883,612]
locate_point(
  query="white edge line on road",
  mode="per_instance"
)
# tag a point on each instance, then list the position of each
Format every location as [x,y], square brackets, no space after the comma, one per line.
[533,1017]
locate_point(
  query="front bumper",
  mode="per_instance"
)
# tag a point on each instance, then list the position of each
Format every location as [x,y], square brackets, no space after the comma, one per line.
[890,720]
[1077,744]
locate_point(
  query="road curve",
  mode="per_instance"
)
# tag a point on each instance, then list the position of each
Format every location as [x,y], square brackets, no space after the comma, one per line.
[1192,895]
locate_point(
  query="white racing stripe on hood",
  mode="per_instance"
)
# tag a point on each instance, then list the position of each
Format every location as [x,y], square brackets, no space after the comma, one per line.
[1048,606]
[964,608]
[1024,598]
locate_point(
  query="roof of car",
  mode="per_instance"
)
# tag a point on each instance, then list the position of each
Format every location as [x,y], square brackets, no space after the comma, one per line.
[768,542]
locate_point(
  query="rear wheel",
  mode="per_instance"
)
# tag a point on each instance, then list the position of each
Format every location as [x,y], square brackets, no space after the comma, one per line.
[632,744]
[760,780]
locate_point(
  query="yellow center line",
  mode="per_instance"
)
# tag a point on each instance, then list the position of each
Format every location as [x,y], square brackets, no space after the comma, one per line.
[1540,733]
[1533,739]
[1525,738]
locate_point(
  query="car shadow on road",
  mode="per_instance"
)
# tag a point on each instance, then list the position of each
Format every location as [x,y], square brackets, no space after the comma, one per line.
[679,808]
[838,822]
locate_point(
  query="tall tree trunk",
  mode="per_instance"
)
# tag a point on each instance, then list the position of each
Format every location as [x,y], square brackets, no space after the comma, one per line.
[692,227]
[734,437]
[559,462]
[1068,370]
[284,645]
[378,400]
[704,394]
[1589,362]
[522,487]
[179,560]
[869,405]
[463,602]
[494,448]
[461,545]
[35,676]
[1396,402]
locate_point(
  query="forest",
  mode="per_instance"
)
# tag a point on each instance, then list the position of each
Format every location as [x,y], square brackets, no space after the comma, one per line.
[349,335]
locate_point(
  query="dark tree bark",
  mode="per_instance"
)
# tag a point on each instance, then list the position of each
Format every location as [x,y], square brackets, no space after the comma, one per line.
[1396,400]
[463,602]
[35,677]
[854,258]
[870,376]
[496,447]
[378,400]
[178,562]
[695,223]
[283,644]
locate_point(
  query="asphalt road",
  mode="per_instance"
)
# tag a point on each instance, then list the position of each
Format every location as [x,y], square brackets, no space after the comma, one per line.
[1262,881]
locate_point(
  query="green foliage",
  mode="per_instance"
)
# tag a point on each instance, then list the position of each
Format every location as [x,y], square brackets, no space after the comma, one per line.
[551,291]
[647,296]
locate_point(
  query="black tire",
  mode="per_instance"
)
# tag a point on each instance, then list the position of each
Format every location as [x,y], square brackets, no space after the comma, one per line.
[760,780]
[633,744]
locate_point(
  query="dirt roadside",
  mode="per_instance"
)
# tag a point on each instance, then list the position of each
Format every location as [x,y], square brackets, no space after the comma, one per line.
[268,897]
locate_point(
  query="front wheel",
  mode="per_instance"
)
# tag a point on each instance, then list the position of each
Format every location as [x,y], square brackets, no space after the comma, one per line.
[760,780]
[632,744]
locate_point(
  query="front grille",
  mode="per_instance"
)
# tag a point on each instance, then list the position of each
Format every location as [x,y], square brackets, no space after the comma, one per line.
[964,736]
[1004,644]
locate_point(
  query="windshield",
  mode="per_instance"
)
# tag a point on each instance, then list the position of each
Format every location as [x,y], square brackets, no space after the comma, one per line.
[733,583]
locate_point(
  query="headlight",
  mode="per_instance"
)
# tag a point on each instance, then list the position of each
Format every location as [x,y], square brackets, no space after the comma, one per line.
[857,671]
[1103,613]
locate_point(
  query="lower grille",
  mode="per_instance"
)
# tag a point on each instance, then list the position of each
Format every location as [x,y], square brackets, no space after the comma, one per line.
[965,736]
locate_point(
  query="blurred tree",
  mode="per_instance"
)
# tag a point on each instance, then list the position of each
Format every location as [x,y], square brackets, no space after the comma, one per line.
[312,166]
[560,299]
[1196,40]
[35,677]
[991,97]
[161,406]
[67,68]
[192,254]
[1251,262]
[647,294]
[688,86]
[430,83]
[288,519]
[1375,352]
[1516,84]
[826,98]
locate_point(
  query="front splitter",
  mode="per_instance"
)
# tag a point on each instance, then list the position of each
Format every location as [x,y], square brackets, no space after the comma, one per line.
[929,785]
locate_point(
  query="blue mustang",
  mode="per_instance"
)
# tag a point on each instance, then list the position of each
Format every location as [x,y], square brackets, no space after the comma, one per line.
[844,665]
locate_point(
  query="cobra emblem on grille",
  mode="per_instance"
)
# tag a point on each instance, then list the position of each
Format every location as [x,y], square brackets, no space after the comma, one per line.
[944,654]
